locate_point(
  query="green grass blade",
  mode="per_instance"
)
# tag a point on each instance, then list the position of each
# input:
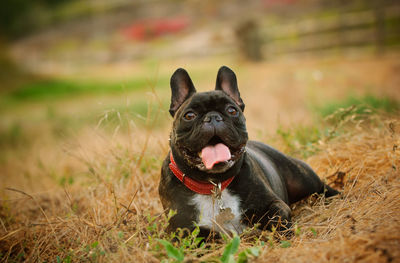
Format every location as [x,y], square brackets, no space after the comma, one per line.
[230,250]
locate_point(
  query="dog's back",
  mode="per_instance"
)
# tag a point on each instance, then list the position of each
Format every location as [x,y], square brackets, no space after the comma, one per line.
[290,178]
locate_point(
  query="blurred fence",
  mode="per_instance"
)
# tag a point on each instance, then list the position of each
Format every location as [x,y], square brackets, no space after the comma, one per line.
[377,26]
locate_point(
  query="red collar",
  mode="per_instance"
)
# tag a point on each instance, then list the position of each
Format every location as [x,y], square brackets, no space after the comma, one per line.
[196,186]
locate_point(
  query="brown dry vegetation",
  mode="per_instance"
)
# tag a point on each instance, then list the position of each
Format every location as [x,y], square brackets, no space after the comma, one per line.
[92,195]
[363,224]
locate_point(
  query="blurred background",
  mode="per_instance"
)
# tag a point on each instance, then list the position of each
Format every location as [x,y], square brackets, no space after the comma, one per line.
[84,122]
[68,66]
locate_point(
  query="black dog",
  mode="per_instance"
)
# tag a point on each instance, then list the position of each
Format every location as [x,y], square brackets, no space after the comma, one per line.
[213,176]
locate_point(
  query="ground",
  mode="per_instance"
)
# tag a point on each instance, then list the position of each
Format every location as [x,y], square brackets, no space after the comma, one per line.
[80,172]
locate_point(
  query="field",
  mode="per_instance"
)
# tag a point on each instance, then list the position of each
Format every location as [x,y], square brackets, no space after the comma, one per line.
[80,161]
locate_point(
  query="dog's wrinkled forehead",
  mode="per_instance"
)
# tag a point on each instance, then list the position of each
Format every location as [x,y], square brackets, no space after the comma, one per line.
[210,100]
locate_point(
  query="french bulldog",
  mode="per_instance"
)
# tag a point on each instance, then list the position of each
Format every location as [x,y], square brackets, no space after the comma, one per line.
[214,177]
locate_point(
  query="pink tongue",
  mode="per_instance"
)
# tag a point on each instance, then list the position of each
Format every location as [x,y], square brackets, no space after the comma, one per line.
[213,154]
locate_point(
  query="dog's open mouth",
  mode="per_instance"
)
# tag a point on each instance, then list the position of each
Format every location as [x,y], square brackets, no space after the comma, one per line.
[215,157]
[215,152]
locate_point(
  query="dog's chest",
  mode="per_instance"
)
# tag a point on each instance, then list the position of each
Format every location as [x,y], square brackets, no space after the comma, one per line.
[210,214]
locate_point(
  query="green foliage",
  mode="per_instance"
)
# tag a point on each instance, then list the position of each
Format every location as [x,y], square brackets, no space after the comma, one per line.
[144,110]
[191,245]
[94,250]
[172,252]
[313,231]
[230,250]
[271,240]
[301,140]
[17,17]
[363,103]
[192,241]
[67,259]
[285,244]
[60,88]
[248,254]
[188,242]
[297,230]
[66,180]
[21,17]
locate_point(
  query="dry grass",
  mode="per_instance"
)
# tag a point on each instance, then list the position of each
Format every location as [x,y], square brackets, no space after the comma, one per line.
[112,213]
[364,224]
[92,197]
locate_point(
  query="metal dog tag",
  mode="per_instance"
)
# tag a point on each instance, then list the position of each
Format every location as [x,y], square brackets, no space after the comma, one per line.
[224,214]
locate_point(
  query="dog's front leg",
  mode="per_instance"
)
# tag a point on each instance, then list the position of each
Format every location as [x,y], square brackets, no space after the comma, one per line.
[180,221]
[275,213]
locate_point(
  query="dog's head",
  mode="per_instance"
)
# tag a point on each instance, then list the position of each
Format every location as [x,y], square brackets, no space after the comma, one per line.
[209,129]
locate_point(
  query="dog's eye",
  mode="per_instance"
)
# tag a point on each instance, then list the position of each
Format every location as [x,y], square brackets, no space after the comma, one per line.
[231,110]
[190,115]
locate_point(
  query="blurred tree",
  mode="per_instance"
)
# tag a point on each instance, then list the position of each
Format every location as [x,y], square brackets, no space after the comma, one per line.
[19,17]
[249,40]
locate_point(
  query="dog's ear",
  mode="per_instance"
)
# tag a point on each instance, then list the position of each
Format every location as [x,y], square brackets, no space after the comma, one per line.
[181,88]
[226,81]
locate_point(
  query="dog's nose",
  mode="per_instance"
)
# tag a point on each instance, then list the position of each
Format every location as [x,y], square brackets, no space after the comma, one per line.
[213,117]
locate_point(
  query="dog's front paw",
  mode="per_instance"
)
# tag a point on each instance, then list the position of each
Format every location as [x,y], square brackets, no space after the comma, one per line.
[278,216]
